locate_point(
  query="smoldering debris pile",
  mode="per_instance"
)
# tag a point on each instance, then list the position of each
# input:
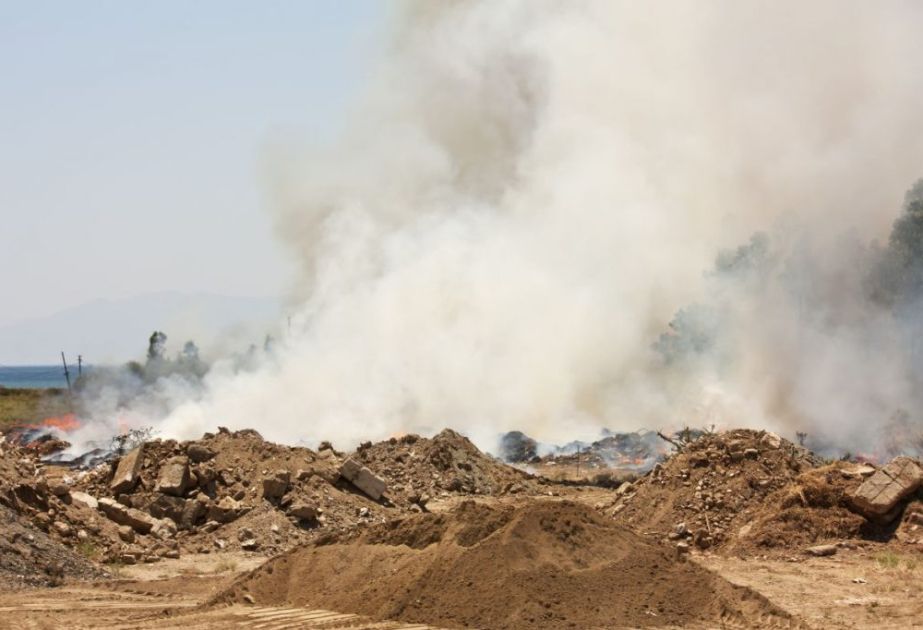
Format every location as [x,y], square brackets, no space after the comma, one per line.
[753,492]
[638,451]
[546,564]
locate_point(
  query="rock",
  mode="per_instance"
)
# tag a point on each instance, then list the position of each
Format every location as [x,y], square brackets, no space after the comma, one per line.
[250,545]
[771,439]
[363,479]
[174,476]
[85,499]
[118,513]
[193,510]
[244,533]
[364,512]
[682,548]
[127,534]
[128,558]
[164,529]
[128,471]
[880,494]
[302,512]
[62,528]
[199,453]
[173,554]
[276,486]
[225,511]
[82,535]
[858,471]
[303,475]
[59,489]
[248,598]
[821,550]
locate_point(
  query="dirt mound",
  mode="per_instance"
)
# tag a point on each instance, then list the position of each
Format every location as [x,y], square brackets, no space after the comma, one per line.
[712,488]
[447,463]
[34,525]
[29,557]
[813,509]
[545,565]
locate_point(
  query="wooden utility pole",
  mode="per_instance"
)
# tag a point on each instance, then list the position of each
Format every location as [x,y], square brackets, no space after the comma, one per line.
[79,365]
[67,375]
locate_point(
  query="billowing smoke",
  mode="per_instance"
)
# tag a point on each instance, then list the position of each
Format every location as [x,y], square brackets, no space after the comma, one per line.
[530,190]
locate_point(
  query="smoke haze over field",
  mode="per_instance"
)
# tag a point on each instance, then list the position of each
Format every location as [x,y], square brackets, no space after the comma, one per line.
[531,189]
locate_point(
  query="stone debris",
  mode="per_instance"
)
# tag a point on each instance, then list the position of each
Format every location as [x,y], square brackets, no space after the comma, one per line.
[126,474]
[880,495]
[363,478]
[820,551]
[174,476]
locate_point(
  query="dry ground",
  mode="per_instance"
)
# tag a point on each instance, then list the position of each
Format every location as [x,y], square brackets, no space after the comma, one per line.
[171,594]
[876,588]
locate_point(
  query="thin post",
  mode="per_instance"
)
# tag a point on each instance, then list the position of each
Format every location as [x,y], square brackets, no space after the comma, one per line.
[67,374]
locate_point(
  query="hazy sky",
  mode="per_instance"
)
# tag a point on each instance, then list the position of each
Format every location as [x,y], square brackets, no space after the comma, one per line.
[131,137]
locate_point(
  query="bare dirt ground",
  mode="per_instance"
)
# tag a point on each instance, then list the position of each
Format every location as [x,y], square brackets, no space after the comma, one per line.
[877,587]
[166,596]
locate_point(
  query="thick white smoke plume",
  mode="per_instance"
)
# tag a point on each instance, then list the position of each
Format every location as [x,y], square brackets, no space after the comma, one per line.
[531,189]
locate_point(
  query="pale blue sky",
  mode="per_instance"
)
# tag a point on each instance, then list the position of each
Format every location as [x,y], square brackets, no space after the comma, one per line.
[131,136]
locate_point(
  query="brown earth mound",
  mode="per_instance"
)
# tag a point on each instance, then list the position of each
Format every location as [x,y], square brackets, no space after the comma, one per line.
[29,557]
[447,463]
[813,509]
[549,565]
[29,512]
[712,488]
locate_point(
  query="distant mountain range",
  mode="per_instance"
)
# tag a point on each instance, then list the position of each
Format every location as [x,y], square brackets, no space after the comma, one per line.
[115,331]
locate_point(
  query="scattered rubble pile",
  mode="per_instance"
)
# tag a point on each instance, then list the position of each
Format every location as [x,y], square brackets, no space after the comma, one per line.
[750,491]
[225,491]
[418,468]
[550,565]
[708,491]
[235,491]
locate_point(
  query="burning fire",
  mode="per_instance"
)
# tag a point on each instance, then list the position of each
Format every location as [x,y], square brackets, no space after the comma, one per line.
[32,435]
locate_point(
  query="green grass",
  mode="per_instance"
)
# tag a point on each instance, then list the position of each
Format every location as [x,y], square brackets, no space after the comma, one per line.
[891,561]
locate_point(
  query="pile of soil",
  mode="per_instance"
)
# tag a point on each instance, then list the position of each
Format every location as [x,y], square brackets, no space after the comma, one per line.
[29,556]
[712,488]
[813,509]
[550,565]
[446,464]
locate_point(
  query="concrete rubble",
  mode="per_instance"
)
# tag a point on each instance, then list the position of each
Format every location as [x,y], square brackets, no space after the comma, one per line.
[880,496]
[363,478]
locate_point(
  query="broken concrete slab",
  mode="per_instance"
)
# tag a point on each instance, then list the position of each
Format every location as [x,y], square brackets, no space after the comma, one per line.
[174,476]
[363,479]
[118,513]
[128,471]
[881,493]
